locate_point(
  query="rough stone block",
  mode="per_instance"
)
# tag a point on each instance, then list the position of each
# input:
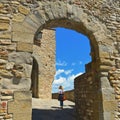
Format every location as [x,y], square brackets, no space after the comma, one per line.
[108,116]
[4,20]
[104,54]
[18,27]
[105,83]
[23,10]
[1,5]
[11,47]
[32,23]
[6,97]
[22,95]
[109,106]
[18,17]
[4,26]
[5,36]
[22,37]
[21,107]
[105,68]
[25,116]
[29,27]
[107,62]
[3,111]
[5,42]
[48,12]
[26,47]
[37,18]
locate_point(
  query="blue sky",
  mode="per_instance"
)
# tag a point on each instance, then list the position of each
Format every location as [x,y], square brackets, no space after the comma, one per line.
[72,53]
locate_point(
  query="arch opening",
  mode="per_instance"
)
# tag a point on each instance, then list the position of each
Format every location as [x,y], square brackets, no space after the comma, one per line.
[78,27]
[72,54]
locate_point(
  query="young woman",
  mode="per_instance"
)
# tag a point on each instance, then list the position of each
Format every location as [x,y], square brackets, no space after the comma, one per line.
[60,97]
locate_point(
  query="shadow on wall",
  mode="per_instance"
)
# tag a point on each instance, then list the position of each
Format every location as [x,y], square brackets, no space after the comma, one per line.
[56,114]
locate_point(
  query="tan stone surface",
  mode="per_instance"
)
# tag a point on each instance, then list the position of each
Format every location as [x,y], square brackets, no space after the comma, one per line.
[23,95]
[21,108]
[6,97]
[4,19]
[5,36]
[5,42]
[104,55]
[17,27]
[1,5]
[18,17]
[98,19]
[109,106]
[22,37]
[45,54]
[4,26]
[26,47]
[23,10]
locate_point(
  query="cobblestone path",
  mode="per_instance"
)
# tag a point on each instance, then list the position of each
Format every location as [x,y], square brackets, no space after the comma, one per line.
[49,110]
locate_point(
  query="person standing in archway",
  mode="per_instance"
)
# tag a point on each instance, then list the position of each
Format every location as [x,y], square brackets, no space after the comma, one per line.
[60,96]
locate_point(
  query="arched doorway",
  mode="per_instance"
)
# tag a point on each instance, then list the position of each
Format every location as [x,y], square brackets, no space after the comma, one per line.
[72,15]
[75,26]
[72,53]
[92,68]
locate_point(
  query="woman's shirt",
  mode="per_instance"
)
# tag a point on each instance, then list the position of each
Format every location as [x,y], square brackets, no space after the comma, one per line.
[60,91]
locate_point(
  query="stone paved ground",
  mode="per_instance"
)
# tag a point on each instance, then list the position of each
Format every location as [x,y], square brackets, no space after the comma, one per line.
[49,110]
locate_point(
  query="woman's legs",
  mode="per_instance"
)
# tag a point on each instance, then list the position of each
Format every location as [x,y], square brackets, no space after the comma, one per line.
[61,103]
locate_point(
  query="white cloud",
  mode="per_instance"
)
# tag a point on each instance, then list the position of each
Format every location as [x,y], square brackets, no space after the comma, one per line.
[59,80]
[67,81]
[59,71]
[61,63]
[78,74]
[79,63]
[68,72]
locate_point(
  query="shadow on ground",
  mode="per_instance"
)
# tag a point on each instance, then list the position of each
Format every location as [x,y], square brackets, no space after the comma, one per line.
[55,114]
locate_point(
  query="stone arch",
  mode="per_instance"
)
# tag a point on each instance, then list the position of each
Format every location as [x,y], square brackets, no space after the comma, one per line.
[72,17]
[75,18]
[31,19]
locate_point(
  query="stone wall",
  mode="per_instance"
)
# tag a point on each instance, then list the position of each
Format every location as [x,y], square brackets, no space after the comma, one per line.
[21,106]
[87,97]
[90,101]
[45,57]
[5,97]
[21,22]
[15,105]
[68,94]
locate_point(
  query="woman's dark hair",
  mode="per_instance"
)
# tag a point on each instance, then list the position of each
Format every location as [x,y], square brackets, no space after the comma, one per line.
[60,87]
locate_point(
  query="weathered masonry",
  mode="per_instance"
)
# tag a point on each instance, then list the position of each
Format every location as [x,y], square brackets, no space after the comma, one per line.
[27,55]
